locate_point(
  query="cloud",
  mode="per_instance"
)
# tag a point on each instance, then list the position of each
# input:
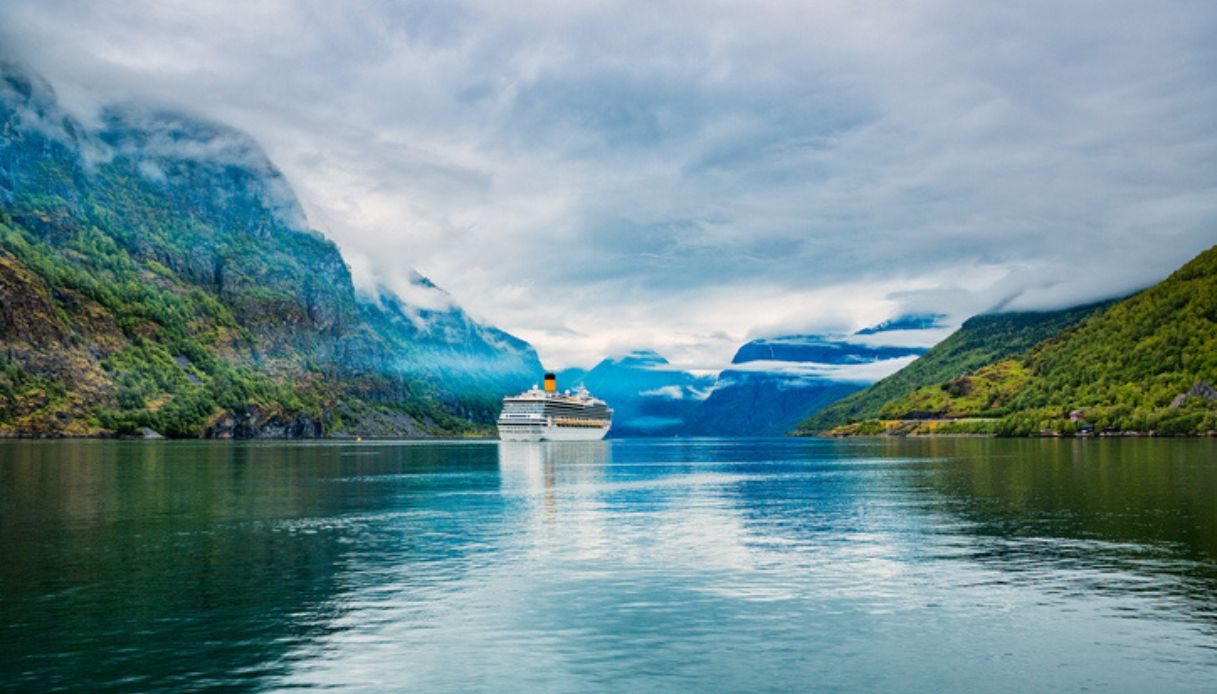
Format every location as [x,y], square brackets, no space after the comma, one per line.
[604,176]
[669,392]
[809,372]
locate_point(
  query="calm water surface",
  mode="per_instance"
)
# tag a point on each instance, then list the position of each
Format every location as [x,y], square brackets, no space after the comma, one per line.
[951,565]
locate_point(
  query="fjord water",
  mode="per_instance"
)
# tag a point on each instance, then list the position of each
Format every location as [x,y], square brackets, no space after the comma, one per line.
[945,565]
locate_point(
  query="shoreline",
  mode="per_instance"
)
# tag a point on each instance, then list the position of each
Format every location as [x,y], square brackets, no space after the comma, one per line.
[455,439]
[1109,435]
[7,436]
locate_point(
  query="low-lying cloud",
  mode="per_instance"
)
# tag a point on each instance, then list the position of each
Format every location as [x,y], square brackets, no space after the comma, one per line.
[809,372]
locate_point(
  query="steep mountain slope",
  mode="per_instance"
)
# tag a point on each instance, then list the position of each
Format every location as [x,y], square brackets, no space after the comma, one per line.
[979,341]
[747,403]
[777,382]
[1144,364]
[156,272]
[476,363]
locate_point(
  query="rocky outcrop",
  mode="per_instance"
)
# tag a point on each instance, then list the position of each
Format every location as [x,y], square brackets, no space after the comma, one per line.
[1203,390]
[255,424]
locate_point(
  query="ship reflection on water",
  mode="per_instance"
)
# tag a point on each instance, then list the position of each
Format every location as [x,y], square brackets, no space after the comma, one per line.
[541,467]
[533,466]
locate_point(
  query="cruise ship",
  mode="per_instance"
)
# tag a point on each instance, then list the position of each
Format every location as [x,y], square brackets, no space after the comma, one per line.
[547,415]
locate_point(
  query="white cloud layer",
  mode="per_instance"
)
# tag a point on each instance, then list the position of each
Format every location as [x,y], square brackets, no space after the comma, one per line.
[602,176]
[865,372]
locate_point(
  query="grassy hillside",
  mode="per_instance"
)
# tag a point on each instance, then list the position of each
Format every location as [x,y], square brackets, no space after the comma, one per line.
[980,341]
[1141,365]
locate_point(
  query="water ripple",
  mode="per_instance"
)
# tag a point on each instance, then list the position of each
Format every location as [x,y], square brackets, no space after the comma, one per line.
[642,565]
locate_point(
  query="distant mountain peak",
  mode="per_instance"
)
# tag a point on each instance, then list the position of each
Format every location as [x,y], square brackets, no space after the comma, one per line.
[639,357]
[912,321]
[423,281]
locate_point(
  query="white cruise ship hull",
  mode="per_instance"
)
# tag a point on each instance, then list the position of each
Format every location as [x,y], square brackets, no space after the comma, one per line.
[550,432]
[546,415]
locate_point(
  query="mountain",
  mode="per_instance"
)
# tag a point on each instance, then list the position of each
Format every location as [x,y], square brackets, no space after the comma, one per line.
[476,363]
[156,272]
[979,341]
[819,349]
[916,321]
[772,385]
[1144,364]
[763,403]
[647,396]
[779,381]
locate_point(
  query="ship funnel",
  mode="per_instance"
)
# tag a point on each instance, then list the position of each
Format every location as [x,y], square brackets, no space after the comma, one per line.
[551,383]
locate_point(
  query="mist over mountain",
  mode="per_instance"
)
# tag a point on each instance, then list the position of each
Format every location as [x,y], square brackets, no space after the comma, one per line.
[157,273]
[447,347]
[771,385]
[918,321]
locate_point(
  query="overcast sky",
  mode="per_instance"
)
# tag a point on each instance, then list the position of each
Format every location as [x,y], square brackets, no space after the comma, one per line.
[603,176]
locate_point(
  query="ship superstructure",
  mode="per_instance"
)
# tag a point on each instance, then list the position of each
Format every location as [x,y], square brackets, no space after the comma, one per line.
[547,415]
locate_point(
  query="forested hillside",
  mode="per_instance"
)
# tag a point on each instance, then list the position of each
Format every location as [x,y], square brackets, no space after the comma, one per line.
[979,341]
[156,273]
[1146,364]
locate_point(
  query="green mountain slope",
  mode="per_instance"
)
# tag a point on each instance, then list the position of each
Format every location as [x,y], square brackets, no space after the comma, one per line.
[157,272]
[477,364]
[1142,365]
[979,341]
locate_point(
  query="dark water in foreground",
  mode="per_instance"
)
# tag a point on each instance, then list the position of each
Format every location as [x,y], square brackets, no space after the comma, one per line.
[951,565]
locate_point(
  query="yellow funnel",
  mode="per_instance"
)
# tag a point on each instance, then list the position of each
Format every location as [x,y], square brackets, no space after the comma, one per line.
[551,383]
